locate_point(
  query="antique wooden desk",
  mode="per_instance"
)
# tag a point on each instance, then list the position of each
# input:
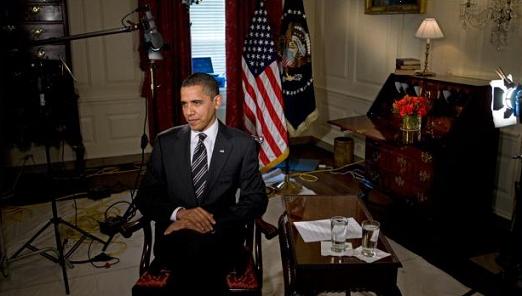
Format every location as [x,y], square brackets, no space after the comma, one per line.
[313,273]
[450,172]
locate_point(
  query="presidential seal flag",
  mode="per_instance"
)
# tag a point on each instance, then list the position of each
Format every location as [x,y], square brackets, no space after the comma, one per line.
[263,104]
[296,68]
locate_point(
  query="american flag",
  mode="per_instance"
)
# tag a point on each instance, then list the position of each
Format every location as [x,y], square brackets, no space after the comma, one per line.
[263,105]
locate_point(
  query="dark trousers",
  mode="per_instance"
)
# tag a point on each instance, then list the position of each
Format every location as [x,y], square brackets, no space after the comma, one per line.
[199,262]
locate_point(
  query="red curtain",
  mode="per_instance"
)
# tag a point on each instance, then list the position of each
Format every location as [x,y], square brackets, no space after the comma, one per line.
[238,17]
[173,23]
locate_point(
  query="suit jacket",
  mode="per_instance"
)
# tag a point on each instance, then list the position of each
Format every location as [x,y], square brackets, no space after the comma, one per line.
[234,165]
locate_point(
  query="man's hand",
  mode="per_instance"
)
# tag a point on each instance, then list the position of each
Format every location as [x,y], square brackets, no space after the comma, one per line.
[179,225]
[196,219]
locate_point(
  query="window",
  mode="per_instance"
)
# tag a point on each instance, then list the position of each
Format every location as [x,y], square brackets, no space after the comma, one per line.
[208,41]
[208,32]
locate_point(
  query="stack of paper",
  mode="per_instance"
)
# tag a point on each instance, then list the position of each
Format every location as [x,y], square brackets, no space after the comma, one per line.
[319,230]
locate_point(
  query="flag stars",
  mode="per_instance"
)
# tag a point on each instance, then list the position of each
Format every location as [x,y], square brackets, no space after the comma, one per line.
[259,50]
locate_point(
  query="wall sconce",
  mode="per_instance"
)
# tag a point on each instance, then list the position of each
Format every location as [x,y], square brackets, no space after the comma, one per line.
[428,29]
[500,13]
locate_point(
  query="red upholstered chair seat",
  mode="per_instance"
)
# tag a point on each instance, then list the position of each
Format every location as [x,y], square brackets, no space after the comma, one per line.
[246,281]
[148,280]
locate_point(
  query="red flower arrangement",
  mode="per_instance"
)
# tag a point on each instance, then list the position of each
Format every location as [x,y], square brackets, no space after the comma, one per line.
[409,105]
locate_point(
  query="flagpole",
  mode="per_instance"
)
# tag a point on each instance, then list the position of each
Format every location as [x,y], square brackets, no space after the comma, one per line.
[297,83]
[288,186]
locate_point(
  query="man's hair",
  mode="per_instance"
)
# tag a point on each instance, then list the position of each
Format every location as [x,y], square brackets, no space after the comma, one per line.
[209,84]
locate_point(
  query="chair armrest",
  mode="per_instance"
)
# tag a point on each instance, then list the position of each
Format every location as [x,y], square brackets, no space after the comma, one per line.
[269,230]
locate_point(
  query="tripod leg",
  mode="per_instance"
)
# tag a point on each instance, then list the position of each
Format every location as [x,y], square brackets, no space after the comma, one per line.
[28,243]
[83,232]
[59,246]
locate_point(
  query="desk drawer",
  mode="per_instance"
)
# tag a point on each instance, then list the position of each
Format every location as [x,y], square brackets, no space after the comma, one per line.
[51,52]
[43,31]
[404,171]
[43,12]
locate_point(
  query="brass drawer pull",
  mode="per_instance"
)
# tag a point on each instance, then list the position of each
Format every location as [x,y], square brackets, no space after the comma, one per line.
[426,157]
[35,10]
[37,32]
[40,53]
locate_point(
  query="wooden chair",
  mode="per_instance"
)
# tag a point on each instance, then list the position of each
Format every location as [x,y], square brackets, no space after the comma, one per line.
[248,283]
[286,256]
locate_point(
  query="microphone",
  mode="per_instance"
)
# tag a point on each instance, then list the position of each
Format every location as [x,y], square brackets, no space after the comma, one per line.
[150,31]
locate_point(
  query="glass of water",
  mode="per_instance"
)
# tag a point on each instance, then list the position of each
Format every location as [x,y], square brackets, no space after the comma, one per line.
[370,235]
[339,227]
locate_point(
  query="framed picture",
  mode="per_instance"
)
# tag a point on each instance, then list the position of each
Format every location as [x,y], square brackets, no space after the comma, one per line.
[394,6]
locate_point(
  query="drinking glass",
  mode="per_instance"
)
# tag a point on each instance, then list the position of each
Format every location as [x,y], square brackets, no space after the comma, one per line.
[339,227]
[370,235]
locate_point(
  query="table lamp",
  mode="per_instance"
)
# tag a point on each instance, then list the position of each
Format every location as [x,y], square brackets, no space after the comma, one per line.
[428,29]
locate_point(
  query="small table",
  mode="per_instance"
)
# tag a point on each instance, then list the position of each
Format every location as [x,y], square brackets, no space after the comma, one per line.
[315,273]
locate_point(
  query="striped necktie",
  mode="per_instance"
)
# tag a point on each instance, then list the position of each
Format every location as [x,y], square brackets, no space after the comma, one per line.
[200,167]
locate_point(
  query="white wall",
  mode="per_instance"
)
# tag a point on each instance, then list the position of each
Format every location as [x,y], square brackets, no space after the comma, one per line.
[353,53]
[111,107]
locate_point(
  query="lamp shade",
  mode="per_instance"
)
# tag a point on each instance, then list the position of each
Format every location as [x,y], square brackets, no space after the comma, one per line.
[429,29]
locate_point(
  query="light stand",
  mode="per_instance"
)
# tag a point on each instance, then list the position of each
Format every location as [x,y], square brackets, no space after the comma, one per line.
[515,271]
[154,56]
[56,220]
[510,256]
[505,107]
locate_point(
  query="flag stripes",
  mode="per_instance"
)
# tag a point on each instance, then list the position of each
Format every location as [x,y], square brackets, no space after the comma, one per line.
[261,80]
[263,113]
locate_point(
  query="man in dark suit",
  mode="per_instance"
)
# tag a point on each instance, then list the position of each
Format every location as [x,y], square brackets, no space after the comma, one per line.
[191,191]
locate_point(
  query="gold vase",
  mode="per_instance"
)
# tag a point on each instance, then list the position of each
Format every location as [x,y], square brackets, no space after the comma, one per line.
[411,129]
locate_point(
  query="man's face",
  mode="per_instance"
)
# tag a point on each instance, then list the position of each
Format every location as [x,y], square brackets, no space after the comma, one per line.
[199,108]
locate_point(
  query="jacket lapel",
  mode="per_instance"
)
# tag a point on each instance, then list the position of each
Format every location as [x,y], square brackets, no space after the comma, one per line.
[183,160]
[222,150]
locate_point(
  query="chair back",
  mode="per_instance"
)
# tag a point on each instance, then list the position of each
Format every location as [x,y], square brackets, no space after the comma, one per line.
[286,256]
